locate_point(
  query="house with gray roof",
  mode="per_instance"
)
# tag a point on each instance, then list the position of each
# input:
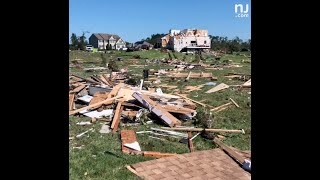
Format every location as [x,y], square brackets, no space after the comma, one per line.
[102,41]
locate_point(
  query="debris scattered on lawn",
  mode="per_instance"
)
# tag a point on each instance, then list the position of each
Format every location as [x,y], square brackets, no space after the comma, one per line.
[234,102]
[105,129]
[96,114]
[78,147]
[218,88]
[81,134]
[210,84]
[135,146]
[82,123]
[106,97]
[86,98]
[247,84]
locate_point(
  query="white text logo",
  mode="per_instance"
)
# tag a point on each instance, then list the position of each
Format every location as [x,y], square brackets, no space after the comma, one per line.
[240,11]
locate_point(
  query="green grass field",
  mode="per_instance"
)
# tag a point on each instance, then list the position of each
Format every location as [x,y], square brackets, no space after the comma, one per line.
[100,156]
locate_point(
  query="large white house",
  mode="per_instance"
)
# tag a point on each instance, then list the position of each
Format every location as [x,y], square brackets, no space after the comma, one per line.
[103,41]
[186,40]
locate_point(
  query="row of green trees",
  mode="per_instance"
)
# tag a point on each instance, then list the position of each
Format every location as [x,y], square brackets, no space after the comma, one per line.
[234,45]
[78,42]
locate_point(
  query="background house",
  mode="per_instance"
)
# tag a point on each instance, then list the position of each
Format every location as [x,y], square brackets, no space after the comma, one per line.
[142,45]
[186,40]
[103,41]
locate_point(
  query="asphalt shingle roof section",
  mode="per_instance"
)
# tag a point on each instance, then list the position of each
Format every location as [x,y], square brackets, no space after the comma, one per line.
[209,164]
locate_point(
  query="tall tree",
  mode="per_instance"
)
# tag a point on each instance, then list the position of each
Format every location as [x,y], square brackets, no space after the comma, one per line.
[74,41]
[82,41]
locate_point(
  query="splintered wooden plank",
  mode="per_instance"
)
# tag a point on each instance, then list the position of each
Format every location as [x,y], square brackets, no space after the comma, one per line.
[193,88]
[75,78]
[204,105]
[108,79]
[127,93]
[234,102]
[104,80]
[157,154]
[218,88]
[97,97]
[190,144]
[247,84]
[114,130]
[207,130]
[97,79]
[229,151]
[132,170]
[188,77]
[130,114]
[106,102]
[175,109]
[232,76]
[168,118]
[115,90]
[77,89]
[219,108]
[71,99]
[127,137]
[86,79]
[116,117]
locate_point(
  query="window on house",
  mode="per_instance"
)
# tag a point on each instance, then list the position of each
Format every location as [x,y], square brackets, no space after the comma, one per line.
[205,42]
[193,42]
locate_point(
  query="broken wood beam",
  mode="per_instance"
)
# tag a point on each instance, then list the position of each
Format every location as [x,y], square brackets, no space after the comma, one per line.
[190,144]
[188,77]
[247,84]
[106,102]
[207,130]
[234,102]
[132,170]
[78,89]
[97,97]
[71,99]
[97,79]
[157,154]
[108,79]
[104,80]
[115,90]
[168,118]
[181,110]
[86,79]
[116,118]
[229,151]
[204,105]
[221,107]
[130,114]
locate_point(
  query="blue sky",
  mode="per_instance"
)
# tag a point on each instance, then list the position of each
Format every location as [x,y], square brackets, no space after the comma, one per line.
[136,19]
